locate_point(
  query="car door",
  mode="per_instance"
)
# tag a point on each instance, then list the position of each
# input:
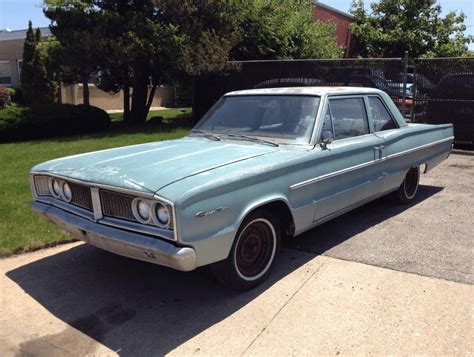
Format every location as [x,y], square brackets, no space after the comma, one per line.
[386,128]
[350,167]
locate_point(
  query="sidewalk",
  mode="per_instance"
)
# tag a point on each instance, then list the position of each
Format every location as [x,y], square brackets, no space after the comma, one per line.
[75,299]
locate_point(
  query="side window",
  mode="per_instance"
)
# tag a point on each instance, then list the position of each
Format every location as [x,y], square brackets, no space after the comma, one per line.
[380,116]
[349,118]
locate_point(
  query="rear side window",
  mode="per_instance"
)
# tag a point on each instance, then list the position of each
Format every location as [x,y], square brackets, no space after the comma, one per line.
[380,115]
[348,117]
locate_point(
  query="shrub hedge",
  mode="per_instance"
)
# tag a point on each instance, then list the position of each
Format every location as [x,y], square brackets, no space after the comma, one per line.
[49,120]
[6,96]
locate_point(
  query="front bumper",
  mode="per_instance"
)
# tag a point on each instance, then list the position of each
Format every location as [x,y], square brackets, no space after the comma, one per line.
[118,241]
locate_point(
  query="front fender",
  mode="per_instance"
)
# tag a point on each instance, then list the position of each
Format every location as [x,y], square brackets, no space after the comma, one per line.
[212,235]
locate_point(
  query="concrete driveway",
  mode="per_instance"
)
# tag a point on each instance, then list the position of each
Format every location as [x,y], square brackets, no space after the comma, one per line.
[383,279]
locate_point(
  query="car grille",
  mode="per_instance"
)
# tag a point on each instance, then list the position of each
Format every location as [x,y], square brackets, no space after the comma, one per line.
[42,185]
[117,205]
[81,196]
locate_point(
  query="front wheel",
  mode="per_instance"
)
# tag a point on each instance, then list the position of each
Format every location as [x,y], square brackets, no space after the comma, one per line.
[407,190]
[253,252]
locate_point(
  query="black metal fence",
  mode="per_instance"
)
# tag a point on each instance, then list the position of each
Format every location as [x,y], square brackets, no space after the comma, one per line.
[436,90]
[444,93]
[385,74]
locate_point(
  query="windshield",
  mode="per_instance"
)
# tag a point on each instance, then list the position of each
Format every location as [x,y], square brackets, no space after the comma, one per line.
[281,118]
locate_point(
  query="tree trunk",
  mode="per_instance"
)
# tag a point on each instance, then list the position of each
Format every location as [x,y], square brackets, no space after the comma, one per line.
[150,100]
[126,102]
[139,95]
[126,93]
[85,89]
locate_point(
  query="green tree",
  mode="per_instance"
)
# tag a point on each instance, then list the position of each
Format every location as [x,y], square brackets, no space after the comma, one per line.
[77,26]
[36,82]
[140,53]
[395,26]
[283,29]
[140,44]
[208,29]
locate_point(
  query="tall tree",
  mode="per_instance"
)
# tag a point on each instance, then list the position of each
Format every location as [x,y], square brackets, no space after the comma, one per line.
[77,26]
[36,83]
[160,41]
[209,30]
[395,26]
[140,44]
[27,69]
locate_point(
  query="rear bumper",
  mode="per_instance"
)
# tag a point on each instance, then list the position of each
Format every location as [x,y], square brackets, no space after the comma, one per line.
[118,241]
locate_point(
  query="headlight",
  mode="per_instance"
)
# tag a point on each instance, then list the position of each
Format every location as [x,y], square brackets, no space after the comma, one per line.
[143,210]
[55,188]
[67,192]
[162,214]
[153,212]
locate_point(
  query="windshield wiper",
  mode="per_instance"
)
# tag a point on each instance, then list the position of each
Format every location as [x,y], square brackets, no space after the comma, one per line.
[206,134]
[252,138]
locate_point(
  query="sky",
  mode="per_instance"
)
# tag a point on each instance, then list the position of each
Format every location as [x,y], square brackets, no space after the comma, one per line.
[14,14]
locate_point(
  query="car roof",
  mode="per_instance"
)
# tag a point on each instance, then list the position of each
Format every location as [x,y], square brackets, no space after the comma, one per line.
[306,91]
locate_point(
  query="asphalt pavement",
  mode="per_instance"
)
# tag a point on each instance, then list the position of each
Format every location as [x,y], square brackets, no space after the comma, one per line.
[433,237]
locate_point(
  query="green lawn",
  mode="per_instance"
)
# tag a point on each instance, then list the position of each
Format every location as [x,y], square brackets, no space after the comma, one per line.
[20,229]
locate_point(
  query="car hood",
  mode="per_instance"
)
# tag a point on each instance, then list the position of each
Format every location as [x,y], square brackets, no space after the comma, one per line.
[152,166]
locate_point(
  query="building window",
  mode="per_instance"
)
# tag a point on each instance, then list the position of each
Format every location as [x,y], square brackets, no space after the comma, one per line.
[19,65]
[5,73]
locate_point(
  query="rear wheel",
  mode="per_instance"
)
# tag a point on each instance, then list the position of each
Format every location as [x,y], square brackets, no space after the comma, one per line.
[407,190]
[253,252]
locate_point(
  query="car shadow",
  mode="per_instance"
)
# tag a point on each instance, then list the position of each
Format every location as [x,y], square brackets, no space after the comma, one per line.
[144,309]
[342,228]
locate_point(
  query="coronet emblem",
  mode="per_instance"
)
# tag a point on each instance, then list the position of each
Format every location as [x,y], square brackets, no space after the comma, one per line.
[211,212]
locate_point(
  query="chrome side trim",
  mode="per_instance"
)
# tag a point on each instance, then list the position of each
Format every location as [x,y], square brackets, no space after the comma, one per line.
[332,174]
[401,153]
[366,164]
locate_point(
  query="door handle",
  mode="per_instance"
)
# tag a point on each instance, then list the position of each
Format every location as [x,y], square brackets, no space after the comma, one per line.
[379,149]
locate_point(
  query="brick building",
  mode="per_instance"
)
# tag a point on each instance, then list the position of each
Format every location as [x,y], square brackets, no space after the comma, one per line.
[342,20]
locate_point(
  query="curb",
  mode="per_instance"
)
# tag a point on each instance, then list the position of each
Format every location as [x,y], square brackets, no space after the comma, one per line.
[462,152]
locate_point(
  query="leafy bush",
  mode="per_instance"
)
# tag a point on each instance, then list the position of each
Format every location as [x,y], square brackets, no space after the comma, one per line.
[20,123]
[6,95]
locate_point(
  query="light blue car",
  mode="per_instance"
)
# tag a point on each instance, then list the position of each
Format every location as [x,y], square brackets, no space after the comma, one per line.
[261,165]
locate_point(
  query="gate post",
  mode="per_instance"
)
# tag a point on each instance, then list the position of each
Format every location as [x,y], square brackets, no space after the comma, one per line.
[404,94]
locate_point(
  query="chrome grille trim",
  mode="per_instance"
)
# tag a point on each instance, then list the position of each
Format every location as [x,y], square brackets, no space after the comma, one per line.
[171,233]
[96,203]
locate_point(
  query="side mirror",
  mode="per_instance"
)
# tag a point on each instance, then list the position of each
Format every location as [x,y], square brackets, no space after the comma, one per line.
[326,139]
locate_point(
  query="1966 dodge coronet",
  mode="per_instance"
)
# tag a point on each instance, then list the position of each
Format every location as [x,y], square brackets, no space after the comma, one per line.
[260,165]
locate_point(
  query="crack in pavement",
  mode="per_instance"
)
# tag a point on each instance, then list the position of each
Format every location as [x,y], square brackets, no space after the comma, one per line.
[283,306]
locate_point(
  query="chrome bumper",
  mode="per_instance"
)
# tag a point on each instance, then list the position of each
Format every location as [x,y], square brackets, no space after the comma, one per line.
[118,241]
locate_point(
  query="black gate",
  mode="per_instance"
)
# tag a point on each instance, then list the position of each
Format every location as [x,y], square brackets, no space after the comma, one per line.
[436,90]
[444,93]
[385,74]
